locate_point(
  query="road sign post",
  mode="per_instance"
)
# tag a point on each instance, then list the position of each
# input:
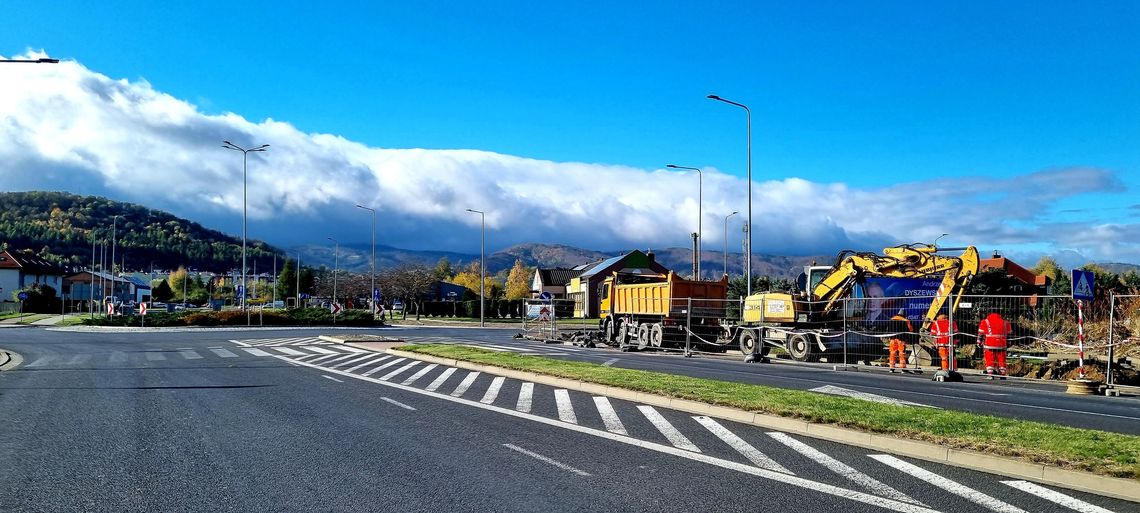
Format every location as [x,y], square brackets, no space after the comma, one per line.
[23,296]
[142,314]
[1084,283]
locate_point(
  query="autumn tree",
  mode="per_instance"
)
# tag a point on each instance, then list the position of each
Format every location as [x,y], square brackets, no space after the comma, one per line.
[518,281]
[443,269]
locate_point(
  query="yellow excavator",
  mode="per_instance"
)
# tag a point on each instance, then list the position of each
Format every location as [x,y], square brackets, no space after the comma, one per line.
[809,323]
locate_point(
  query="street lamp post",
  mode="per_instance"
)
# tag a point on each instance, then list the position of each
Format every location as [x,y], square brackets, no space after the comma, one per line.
[32,61]
[336,270]
[700,212]
[726,240]
[114,223]
[482,268]
[298,291]
[748,251]
[244,206]
[373,303]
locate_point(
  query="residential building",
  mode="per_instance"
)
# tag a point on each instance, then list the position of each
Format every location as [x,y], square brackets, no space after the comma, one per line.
[20,269]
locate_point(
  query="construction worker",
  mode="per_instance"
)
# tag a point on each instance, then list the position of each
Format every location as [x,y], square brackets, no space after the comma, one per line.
[902,331]
[993,335]
[941,330]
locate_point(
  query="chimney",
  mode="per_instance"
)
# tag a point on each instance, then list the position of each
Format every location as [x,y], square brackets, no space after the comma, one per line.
[652,257]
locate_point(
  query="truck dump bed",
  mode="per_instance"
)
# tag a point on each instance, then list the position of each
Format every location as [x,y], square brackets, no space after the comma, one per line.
[668,296]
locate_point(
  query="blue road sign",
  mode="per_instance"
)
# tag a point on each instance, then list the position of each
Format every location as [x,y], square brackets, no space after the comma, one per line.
[23,296]
[241,291]
[1084,285]
[304,296]
[376,294]
[546,296]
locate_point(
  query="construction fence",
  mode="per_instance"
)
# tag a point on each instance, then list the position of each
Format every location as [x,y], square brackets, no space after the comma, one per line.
[1048,336]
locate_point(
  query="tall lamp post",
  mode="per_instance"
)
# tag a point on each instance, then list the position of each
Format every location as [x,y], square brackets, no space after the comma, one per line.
[482,269]
[700,212]
[373,257]
[244,206]
[32,61]
[748,256]
[726,240]
[336,267]
[114,223]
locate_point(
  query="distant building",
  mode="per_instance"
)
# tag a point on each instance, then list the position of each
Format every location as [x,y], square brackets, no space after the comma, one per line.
[585,289]
[553,281]
[1033,283]
[97,286]
[20,269]
[445,291]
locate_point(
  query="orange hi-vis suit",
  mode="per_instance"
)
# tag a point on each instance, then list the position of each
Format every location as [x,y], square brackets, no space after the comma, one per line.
[901,328]
[941,329]
[993,334]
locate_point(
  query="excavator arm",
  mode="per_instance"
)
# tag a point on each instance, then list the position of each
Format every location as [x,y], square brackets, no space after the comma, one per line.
[906,261]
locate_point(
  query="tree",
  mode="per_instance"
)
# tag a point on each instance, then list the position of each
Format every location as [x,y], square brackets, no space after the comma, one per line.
[162,291]
[287,280]
[179,283]
[518,281]
[468,277]
[443,270]
[1060,282]
[308,280]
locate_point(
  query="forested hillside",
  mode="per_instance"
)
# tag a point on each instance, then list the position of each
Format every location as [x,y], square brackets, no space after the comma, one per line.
[61,227]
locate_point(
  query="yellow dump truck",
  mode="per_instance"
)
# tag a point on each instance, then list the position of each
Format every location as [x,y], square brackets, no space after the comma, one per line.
[653,310]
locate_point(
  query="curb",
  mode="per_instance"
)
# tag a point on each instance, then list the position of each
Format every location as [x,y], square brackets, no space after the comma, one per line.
[1119,488]
[10,360]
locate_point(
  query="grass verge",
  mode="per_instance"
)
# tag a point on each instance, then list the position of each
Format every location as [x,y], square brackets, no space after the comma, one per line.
[1100,452]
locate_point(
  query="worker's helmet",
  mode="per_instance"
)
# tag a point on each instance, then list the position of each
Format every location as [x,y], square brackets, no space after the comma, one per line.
[901,312]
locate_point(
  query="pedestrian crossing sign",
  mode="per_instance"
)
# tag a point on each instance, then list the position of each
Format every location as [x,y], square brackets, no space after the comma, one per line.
[1083,285]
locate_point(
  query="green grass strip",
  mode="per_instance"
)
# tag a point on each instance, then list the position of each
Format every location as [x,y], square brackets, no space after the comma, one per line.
[1088,450]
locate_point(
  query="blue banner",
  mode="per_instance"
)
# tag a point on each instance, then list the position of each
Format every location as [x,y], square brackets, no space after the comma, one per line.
[886,296]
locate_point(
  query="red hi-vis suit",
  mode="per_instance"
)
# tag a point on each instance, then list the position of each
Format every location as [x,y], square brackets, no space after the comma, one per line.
[993,333]
[941,332]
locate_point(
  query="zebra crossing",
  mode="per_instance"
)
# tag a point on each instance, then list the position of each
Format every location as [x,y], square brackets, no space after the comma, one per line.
[914,486]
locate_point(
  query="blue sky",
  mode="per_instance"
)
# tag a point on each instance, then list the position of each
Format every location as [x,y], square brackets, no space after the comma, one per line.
[868,95]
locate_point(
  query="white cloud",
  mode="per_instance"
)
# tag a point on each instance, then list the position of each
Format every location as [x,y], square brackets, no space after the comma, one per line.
[67,127]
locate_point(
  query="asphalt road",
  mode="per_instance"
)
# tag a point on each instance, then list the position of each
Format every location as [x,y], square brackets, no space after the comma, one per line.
[274,421]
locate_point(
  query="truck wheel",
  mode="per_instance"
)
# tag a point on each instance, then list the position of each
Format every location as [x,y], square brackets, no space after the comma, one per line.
[608,330]
[642,336]
[656,335]
[801,348]
[750,344]
[623,333]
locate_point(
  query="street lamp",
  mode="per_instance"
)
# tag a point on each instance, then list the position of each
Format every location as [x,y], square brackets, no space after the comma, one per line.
[336,269]
[42,60]
[700,215]
[114,222]
[244,204]
[726,240]
[373,257]
[482,269]
[748,256]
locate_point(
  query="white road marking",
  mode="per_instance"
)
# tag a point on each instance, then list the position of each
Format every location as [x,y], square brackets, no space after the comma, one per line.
[525,395]
[240,343]
[306,357]
[507,348]
[1057,497]
[321,350]
[382,367]
[152,356]
[420,374]
[609,416]
[493,390]
[352,349]
[352,361]
[609,362]
[320,358]
[866,396]
[834,465]
[368,362]
[254,351]
[675,437]
[951,486]
[397,403]
[393,374]
[565,408]
[489,348]
[807,484]
[544,459]
[223,353]
[79,358]
[463,385]
[289,351]
[342,357]
[332,378]
[190,355]
[118,357]
[440,379]
[753,454]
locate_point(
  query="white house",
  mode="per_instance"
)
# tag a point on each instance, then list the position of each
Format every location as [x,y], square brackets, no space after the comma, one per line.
[19,269]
